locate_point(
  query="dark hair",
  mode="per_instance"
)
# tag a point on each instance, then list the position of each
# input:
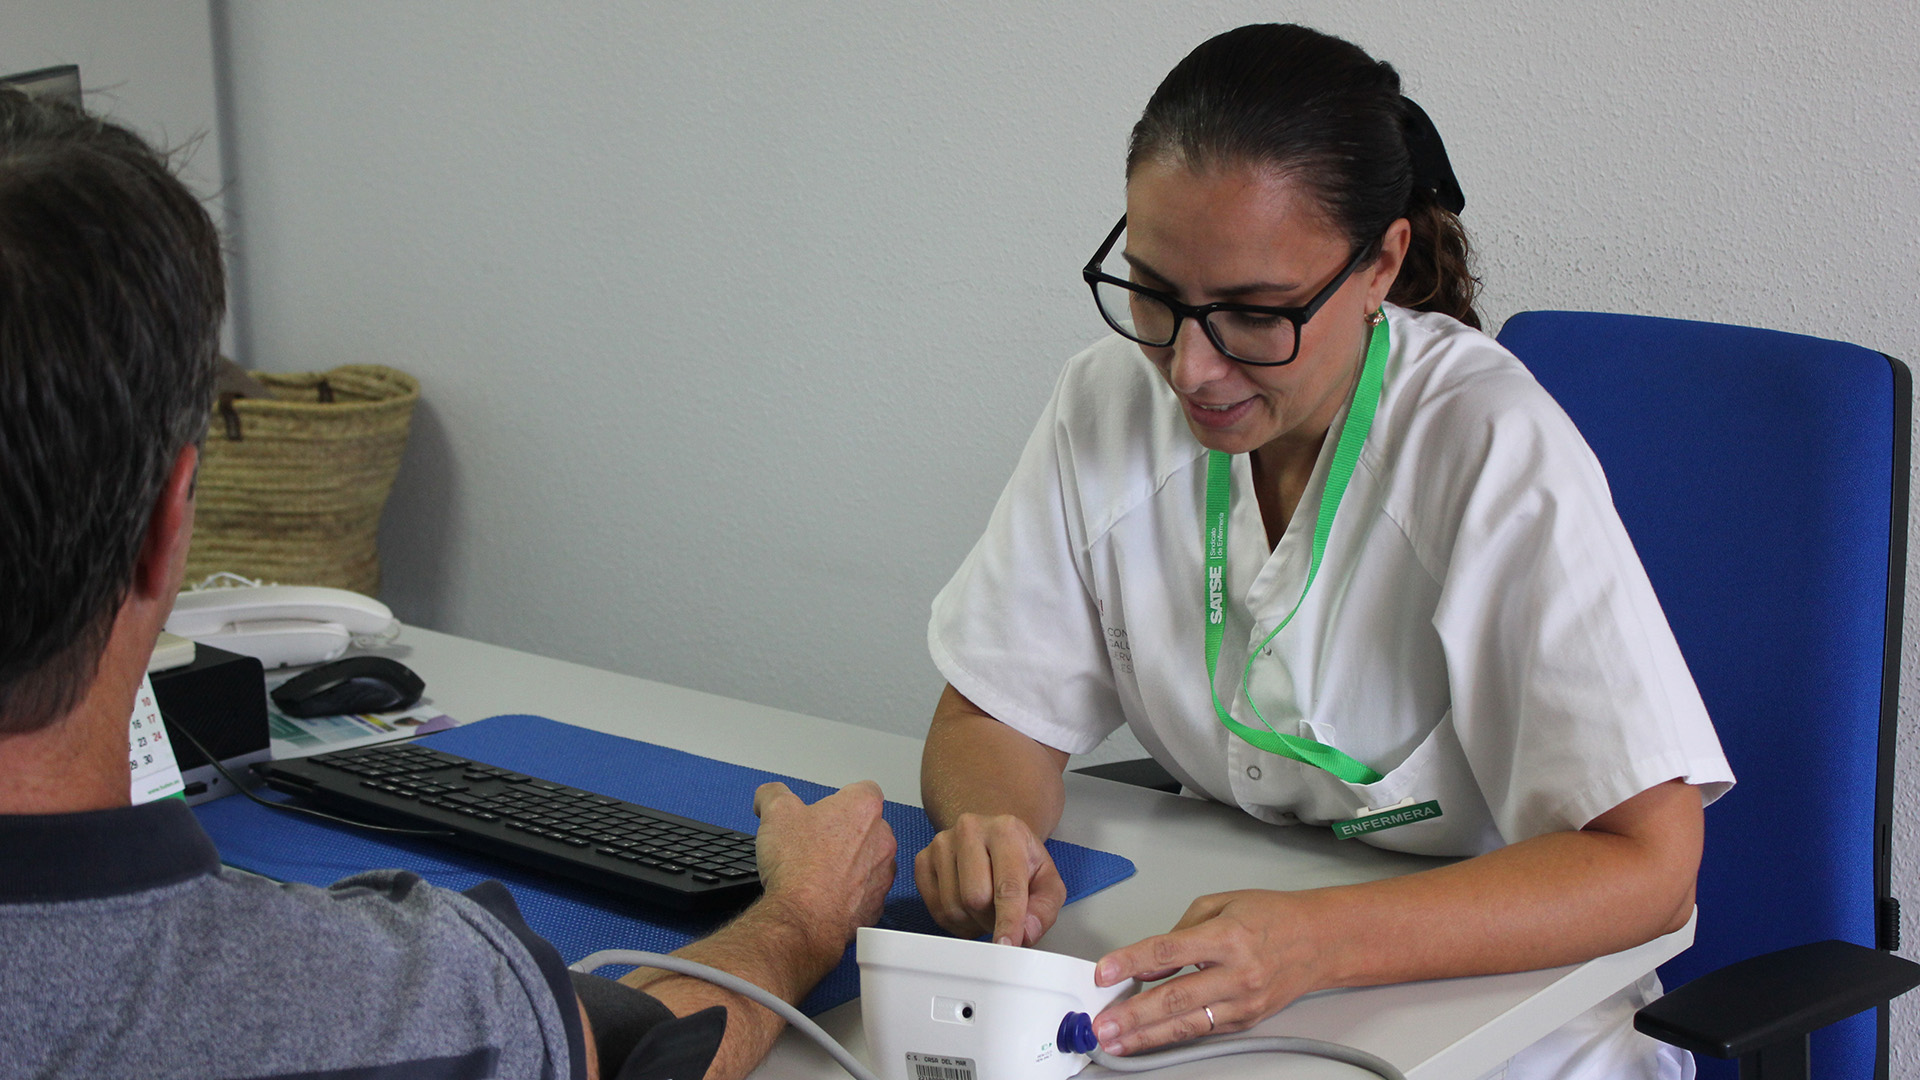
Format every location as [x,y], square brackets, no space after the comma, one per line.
[111,295]
[1321,110]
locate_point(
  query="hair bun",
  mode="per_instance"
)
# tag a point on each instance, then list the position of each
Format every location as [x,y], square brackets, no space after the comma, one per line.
[1432,172]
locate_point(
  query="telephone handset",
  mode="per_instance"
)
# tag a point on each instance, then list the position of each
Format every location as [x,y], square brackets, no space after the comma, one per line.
[282,624]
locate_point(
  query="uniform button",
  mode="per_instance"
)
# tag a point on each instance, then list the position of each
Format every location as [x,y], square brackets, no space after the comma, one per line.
[1253,772]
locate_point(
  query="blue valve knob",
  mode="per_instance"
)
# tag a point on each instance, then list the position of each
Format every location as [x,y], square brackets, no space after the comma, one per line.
[1076,1033]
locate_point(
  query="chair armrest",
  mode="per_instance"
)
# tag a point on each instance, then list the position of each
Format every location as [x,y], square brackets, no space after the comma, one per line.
[1765,1000]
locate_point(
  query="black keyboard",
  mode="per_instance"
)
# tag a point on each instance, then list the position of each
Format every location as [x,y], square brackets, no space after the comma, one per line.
[655,857]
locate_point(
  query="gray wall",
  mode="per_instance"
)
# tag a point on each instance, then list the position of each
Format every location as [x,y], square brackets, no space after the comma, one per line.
[731,324]
[731,321]
[147,63]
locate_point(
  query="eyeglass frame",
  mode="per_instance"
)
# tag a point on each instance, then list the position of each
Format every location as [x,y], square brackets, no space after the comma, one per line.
[1203,313]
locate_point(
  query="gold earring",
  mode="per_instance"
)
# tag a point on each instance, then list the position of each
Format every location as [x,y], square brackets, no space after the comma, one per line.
[1379,316]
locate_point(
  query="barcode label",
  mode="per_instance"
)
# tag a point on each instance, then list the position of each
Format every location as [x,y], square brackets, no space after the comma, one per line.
[937,1067]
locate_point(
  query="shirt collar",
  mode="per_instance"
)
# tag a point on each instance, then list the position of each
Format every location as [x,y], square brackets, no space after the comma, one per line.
[52,857]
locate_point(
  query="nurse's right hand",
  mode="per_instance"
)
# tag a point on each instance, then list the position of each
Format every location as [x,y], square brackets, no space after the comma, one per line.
[990,874]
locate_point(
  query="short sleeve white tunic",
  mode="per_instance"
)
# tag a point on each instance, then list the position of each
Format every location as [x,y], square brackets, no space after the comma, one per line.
[1480,631]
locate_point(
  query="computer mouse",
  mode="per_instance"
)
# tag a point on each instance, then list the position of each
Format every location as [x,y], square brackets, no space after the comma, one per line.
[357,684]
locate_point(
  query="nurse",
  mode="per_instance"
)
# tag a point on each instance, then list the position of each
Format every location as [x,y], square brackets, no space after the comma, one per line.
[1336,559]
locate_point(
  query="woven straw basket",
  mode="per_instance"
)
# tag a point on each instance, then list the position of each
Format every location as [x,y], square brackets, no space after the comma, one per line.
[291,488]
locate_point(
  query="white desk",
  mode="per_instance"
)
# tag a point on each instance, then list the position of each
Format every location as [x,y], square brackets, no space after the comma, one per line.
[1453,1029]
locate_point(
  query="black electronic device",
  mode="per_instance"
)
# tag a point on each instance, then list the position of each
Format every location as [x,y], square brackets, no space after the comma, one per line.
[61,83]
[221,701]
[357,684]
[656,857]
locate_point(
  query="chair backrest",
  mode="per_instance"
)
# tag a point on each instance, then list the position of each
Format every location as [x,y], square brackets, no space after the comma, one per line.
[1763,479]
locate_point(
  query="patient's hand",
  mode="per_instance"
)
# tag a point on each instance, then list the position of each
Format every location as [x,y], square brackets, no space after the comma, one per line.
[830,863]
[826,869]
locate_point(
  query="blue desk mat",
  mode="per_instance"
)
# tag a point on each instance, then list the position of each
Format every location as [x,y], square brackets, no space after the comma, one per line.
[578,920]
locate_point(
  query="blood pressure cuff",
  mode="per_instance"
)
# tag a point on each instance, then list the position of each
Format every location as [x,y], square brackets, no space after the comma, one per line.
[632,1028]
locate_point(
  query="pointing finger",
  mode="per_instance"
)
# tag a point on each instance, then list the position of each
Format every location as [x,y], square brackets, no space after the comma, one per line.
[1046,894]
[1012,871]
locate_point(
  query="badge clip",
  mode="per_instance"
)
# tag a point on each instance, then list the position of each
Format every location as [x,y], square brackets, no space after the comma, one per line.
[1404,812]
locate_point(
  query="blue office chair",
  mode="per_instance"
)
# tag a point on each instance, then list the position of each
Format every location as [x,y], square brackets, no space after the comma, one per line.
[1763,478]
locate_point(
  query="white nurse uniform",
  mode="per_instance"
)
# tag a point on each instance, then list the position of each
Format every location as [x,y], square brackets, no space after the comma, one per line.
[1480,631]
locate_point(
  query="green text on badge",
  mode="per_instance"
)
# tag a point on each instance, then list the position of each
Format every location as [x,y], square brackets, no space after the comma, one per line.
[1386,819]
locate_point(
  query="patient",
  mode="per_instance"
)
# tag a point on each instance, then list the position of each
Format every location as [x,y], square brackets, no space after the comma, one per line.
[129,950]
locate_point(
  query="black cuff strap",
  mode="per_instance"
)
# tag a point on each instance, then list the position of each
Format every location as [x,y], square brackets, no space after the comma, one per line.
[621,1016]
[678,1049]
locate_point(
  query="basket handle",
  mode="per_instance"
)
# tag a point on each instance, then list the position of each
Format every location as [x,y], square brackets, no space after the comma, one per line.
[229,415]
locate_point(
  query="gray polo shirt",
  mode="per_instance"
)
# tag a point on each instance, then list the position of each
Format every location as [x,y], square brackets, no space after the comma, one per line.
[126,949]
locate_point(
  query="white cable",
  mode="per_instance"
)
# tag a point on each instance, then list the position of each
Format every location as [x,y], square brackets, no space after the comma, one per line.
[1272,1044]
[1143,1063]
[736,984]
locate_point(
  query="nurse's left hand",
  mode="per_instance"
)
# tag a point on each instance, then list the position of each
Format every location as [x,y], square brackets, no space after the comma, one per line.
[1253,953]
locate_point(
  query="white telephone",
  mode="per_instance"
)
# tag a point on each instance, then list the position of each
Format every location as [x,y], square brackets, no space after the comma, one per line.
[281,624]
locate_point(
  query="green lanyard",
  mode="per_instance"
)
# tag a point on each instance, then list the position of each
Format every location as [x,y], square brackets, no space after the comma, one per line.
[1346,455]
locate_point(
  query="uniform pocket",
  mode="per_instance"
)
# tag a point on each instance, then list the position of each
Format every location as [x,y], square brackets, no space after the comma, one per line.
[1435,772]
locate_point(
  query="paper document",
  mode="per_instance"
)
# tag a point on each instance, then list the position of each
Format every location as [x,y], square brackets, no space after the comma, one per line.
[301,737]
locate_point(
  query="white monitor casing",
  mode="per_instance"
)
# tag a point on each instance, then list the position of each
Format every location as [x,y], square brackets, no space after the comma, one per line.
[939,1008]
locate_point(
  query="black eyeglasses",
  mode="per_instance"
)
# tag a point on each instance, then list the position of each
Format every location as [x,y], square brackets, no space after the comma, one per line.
[1249,333]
